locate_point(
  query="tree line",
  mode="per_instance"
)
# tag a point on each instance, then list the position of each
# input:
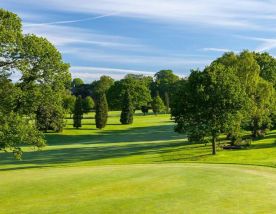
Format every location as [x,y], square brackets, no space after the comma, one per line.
[133,92]
[44,92]
[235,93]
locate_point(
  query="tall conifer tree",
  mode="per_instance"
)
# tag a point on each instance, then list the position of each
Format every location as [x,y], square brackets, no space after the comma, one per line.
[101,111]
[127,110]
[78,113]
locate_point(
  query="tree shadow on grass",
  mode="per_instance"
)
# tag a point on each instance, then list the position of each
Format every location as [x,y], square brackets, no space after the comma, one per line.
[260,145]
[131,135]
[161,141]
[74,155]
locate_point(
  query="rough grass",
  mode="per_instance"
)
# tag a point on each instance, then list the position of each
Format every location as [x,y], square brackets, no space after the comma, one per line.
[140,168]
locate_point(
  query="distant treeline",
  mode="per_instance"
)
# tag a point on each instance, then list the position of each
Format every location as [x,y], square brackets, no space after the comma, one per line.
[236,92]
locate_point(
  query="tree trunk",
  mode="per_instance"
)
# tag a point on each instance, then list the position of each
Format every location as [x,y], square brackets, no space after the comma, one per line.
[214,145]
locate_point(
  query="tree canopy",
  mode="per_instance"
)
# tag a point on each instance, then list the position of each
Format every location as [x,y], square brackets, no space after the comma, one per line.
[38,95]
[137,88]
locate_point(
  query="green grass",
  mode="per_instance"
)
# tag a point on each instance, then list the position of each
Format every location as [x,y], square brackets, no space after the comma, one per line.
[141,168]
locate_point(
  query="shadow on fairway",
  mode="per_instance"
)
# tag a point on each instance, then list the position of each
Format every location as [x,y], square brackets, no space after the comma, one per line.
[131,135]
[74,155]
[105,144]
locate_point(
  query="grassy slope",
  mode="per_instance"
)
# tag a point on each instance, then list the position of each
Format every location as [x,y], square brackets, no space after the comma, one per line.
[167,188]
[150,139]
[156,184]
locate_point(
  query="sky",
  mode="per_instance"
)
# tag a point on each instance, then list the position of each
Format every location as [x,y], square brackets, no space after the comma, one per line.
[116,37]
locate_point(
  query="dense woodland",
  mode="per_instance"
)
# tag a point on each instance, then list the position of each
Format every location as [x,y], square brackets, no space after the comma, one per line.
[233,95]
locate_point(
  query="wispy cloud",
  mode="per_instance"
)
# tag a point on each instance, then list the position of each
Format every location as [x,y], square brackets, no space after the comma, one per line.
[136,59]
[90,73]
[226,13]
[63,36]
[266,44]
[70,21]
[223,50]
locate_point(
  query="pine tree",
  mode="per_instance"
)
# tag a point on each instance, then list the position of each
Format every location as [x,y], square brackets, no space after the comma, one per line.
[78,112]
[101,111]
[127,110]
[157,105]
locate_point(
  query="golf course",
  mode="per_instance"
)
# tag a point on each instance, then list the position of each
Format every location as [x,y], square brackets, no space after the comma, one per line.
[137,107]
[145,167]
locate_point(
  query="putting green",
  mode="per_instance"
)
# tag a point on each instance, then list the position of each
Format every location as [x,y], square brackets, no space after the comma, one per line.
[143,188]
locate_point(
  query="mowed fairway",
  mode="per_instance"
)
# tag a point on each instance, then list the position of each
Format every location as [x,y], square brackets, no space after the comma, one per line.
[139,168]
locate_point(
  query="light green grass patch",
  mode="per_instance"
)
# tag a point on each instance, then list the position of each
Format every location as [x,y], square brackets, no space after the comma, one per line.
[151,188]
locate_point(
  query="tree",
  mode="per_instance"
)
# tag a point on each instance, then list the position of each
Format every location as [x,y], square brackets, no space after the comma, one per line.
[87,104]
[11,41]
[50,112]
[262,110]
[256,73]
[267,65]
[101,111]
[164,81]
[78,112]
[102,85]
[16,131]
[46,77]
[209,102]
[9,95]
[38,93]
[137,88]
[157,105]
[127,110]
[77,82]
[69,103]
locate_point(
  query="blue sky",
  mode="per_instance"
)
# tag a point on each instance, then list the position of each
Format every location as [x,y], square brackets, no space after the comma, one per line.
[115,37]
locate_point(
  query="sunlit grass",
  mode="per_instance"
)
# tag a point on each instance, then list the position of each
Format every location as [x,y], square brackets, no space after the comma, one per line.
[141,168]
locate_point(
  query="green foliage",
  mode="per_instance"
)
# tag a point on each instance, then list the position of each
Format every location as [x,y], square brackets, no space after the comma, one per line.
[69,103]
[101,111]
[264,102]
[9,95]
[78,112]
[164,80]
[15,131]
[50,117]
[256,74]
[267,65]
[77,82]
[102,85]
[157,105]
[44,79]
[127,110]
[10,40]
[209,102]
[50,111]
[87,104]
[137,88]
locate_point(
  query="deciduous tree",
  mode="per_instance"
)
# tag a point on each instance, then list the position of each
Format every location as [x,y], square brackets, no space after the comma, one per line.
[157,105]
[209,102]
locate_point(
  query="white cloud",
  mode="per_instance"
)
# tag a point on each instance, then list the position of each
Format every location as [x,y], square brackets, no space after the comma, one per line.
[89,73]
[69,21]
[63,36]
[110,70]
[226,13]
[266,44]
[217,50]
[146,60]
